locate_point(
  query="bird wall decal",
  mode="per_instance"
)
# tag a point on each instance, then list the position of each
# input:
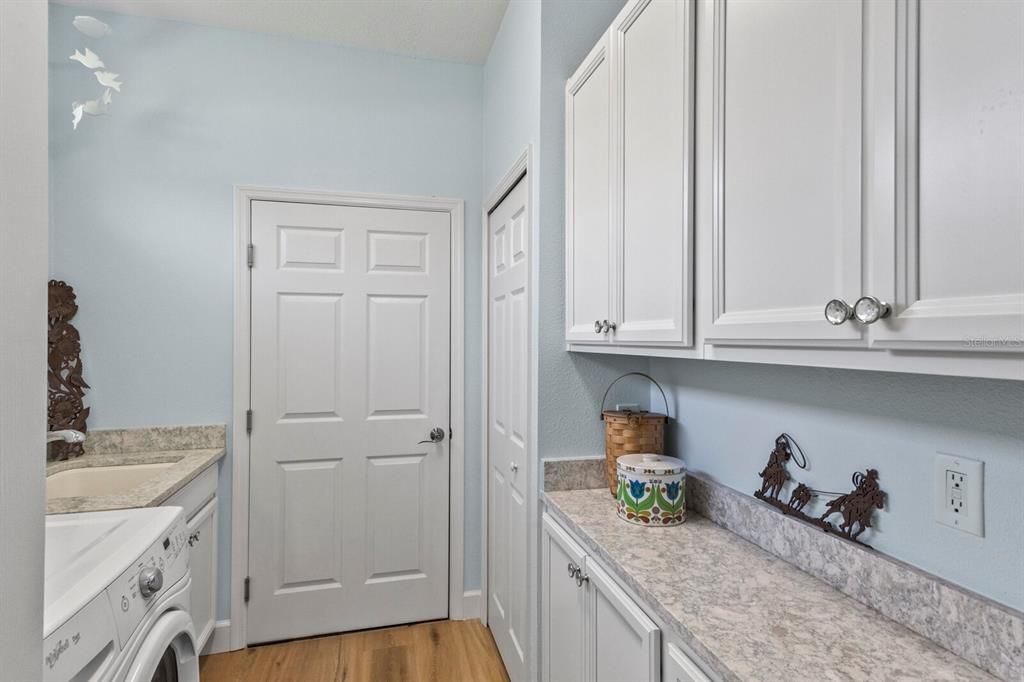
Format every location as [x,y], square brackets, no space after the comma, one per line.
[89,60]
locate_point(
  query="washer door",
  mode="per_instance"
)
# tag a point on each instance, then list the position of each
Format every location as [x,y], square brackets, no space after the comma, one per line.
[168,654]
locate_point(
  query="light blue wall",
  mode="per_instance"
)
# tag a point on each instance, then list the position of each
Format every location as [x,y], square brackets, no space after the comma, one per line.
[141,200]
[847,420]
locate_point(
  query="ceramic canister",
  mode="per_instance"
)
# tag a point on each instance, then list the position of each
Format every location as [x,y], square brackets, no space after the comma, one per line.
[652,490]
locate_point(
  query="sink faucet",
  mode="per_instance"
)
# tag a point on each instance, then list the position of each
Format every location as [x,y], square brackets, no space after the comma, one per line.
[66,435]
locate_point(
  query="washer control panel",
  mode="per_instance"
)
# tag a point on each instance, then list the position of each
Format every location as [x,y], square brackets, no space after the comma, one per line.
[138,588]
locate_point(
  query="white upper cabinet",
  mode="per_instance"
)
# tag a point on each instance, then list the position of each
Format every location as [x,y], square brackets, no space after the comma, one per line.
[652,115]
[952,262]
[629,124]
[588,231]
[787,223]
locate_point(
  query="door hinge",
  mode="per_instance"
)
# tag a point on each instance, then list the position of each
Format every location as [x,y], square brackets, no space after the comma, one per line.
[250,255]
[248,421]
[245,596]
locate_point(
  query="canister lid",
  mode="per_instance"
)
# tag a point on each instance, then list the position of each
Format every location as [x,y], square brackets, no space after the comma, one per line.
[650,463]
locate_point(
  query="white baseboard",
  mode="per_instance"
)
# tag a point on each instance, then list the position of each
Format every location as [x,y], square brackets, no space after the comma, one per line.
[220,639]
[471,605]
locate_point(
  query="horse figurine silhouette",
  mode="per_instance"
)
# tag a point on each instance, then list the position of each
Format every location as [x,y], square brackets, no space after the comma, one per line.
[856,507]
[774,474]
[800,497]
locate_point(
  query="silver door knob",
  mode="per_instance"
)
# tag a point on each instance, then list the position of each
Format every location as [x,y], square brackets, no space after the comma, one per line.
[572,569]
[151,579]
[608,326]
[838,311]
[513,466]
[869,310]
[436,436]
[598,327]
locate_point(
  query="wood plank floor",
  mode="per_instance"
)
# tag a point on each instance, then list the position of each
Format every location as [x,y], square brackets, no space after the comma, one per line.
[441,651]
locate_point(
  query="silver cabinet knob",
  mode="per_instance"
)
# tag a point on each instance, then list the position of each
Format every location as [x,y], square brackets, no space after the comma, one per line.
[572,569]
[580,578]
[608,326]
[869,310]
[513,466]
[838,311]
[436,436]
[598,327]
[151,579]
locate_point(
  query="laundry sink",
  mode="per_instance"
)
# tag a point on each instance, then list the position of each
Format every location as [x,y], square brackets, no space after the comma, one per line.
[95,481]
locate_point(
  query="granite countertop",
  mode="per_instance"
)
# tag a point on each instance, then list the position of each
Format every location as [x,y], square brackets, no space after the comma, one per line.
[180,445]
[747,614]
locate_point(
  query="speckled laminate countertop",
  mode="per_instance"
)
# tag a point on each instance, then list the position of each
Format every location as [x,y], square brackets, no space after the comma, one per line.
[187,465]
[747,614]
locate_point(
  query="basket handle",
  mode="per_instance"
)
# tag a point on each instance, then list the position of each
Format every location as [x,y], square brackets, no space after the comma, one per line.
[632,374]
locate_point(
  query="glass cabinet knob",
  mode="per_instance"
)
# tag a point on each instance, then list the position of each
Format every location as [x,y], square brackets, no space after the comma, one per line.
[869,310]
[838,311]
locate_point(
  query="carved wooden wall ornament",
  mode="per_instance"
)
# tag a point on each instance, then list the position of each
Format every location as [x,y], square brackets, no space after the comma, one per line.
[65,409]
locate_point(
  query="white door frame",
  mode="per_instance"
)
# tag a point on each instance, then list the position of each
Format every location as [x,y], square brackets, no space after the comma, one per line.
[241,451]
[521,169]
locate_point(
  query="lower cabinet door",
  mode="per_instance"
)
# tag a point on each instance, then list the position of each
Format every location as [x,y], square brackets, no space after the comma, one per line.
[678,667]
[563,607]
[625,644]
[202,533]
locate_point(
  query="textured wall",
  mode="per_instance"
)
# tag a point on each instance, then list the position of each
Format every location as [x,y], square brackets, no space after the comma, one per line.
[141,200]
[847,420]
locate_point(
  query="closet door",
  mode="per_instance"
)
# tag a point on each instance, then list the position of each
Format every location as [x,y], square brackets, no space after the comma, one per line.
[787,162]
[952,263]
[588,254]
[652,122]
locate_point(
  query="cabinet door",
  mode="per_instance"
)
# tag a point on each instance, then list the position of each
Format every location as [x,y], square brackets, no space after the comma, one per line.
[202,529]
[652,121]
[787,161]
[952,262]
[588,268]
[625,645]
[678,667]
[562,607]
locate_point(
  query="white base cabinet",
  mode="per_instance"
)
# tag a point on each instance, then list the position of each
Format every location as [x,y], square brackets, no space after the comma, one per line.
[199,500]
[591,629]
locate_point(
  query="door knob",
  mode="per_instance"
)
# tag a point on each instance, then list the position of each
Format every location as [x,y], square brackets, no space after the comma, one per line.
[608,326]
[869,310]
[513,466]
[598,327]
[838,311]
[436,436]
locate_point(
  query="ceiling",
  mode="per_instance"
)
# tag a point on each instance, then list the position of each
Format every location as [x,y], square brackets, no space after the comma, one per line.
[458,30]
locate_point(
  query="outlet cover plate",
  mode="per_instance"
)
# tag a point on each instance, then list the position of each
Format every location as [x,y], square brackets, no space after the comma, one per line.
[970,494]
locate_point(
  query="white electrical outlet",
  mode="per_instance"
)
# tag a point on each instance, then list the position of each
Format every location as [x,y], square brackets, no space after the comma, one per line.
[959,493]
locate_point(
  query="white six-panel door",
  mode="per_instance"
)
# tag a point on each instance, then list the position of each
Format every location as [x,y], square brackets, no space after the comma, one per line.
[508,428]
[350,370]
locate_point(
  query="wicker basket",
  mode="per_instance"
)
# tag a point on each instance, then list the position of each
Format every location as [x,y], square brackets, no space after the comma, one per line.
[627,433]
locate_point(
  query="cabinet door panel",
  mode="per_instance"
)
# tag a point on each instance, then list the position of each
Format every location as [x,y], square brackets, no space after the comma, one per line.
[652,85]
[678,667]
[787,227]
[958,237]
[625,644]
[202,529]
[588,196]
[563,605]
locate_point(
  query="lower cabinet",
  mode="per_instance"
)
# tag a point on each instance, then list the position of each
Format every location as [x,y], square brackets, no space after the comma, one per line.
[678,667]
[199,500]
[591,630]
[202,540]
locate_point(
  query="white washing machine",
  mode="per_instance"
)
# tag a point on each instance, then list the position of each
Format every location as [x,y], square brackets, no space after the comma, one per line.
[116,598]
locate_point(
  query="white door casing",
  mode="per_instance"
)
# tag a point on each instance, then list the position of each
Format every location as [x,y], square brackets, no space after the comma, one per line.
[350,319]
[589,272]
[787,227]
[508,429]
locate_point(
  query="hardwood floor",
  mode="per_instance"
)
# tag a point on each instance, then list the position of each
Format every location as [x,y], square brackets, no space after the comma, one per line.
[441,651]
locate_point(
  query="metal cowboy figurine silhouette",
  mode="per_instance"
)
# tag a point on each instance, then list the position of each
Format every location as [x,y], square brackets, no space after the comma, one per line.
[855,507]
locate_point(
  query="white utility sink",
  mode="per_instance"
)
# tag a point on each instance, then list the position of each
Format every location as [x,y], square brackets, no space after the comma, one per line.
[94,481]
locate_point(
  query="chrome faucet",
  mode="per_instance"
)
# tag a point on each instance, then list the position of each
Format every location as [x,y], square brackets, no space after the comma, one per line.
[66,435]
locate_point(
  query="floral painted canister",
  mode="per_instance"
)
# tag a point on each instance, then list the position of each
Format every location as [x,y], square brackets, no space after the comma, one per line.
[652,490]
